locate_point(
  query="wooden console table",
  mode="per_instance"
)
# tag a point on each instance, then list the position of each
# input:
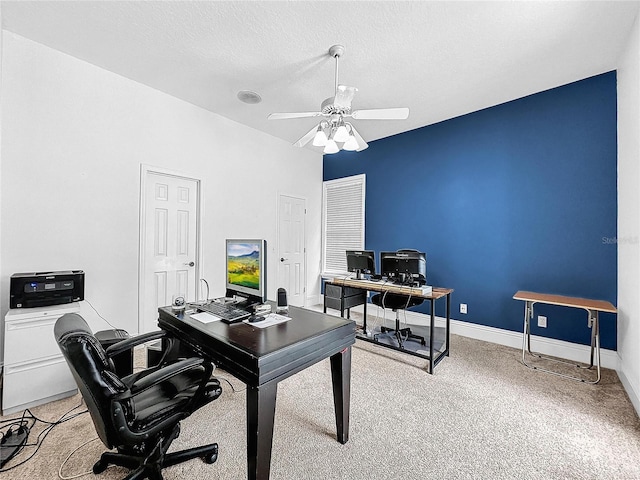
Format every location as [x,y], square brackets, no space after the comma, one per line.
[591,306]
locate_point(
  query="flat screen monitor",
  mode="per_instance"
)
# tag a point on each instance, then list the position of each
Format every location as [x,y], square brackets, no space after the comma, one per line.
[361,261]
[246,270]
[406,266]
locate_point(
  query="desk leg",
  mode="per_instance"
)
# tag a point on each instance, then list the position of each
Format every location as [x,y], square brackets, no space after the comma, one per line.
[595,345]
[431,334]
[526,332]
[448,323]
[595,340]
[364,321]
[261,407]
[341,380]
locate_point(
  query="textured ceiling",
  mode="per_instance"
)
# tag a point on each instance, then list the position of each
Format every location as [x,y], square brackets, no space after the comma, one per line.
[440,59]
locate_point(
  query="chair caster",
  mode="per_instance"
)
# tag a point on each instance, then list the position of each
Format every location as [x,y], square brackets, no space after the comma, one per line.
[211,457]
[99,467]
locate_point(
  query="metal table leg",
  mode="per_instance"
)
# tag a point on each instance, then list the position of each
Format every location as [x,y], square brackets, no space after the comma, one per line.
[431,335]
[593,323]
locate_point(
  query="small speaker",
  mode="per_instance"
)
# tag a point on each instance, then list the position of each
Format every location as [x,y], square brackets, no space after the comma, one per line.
[281,305]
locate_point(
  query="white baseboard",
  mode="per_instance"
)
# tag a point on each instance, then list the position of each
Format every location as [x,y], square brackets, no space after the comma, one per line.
[547,346]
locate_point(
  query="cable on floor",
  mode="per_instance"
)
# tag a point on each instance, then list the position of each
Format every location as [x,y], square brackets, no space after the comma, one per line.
[43,434]
[77,475]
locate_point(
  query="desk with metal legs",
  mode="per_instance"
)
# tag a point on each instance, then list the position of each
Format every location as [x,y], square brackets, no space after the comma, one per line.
[592,308]
[262,357]
[436,294]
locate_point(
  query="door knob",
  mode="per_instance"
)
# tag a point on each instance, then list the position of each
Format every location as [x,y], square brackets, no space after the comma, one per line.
[190,264]
[282,259]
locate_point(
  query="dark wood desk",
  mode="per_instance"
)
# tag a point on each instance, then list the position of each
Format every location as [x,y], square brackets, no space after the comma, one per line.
[436,293]
[263,357]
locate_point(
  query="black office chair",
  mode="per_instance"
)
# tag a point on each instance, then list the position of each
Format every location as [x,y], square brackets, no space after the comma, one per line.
[397,302]
[137,414]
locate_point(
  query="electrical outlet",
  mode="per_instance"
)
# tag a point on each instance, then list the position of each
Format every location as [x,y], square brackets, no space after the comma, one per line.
[542,321]
[463,308]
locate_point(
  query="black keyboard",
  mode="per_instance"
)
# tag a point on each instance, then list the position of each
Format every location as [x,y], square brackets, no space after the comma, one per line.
[227,313]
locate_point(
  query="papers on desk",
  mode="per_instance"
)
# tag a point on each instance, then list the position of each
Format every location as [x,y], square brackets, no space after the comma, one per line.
[270,319]
[205,317]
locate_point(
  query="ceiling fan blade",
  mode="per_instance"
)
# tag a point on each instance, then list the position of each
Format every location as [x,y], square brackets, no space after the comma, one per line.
[381,114]
[360,140]
[344,95]
[283,116]
[307,137]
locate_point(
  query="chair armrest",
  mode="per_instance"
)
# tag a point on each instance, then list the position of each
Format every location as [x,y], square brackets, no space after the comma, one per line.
[165,373]
[129,343]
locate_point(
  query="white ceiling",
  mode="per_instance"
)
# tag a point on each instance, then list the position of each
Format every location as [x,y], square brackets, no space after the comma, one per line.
[440,59]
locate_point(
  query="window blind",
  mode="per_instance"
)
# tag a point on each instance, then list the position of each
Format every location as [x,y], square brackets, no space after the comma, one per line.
[343,221]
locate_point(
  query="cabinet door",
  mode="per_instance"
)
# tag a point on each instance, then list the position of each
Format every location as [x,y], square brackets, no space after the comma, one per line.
[30,382]
[29,339]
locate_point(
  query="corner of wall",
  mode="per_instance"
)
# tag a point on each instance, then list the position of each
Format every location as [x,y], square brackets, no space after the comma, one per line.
[628,77]
[2,305]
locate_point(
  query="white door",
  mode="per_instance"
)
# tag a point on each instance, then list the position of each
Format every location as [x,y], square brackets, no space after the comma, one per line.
[291,248]
[169,243]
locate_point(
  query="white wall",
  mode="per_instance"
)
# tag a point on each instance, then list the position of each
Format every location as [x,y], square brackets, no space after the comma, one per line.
[629,216]
[1,305]
[74,136]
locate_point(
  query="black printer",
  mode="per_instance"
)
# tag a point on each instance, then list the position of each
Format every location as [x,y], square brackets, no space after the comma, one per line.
[41,289]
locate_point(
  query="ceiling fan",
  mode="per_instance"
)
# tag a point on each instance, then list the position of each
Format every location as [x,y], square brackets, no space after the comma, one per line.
[333,132]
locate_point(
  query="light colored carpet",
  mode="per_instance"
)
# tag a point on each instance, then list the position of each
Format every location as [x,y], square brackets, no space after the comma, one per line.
[481,415]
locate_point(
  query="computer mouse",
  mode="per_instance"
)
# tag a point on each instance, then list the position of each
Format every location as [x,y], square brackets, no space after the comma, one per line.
[255,318]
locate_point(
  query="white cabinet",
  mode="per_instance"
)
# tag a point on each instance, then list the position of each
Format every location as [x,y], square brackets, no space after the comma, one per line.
[35,371]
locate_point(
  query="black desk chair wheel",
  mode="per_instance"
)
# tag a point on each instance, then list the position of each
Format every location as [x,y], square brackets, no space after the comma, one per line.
[138,414]
[397,302]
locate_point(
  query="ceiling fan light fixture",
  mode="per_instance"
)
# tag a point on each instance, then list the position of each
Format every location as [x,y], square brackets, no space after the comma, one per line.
[320,139]
[342,134]
[331,147]
[333,111]
[351,144]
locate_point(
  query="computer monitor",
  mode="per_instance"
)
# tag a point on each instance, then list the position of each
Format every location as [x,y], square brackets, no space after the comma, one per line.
[361,261]
[246,270]
[406,266]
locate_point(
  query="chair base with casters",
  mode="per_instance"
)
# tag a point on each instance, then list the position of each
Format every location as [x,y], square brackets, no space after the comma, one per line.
[396,303]
[150,465]
[139,414]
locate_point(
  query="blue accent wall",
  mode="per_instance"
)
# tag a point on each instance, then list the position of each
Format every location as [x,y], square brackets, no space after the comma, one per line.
[520,196]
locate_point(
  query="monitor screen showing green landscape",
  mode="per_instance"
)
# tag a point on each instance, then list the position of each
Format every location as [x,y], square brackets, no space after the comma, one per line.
[243,264]
[247,270]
